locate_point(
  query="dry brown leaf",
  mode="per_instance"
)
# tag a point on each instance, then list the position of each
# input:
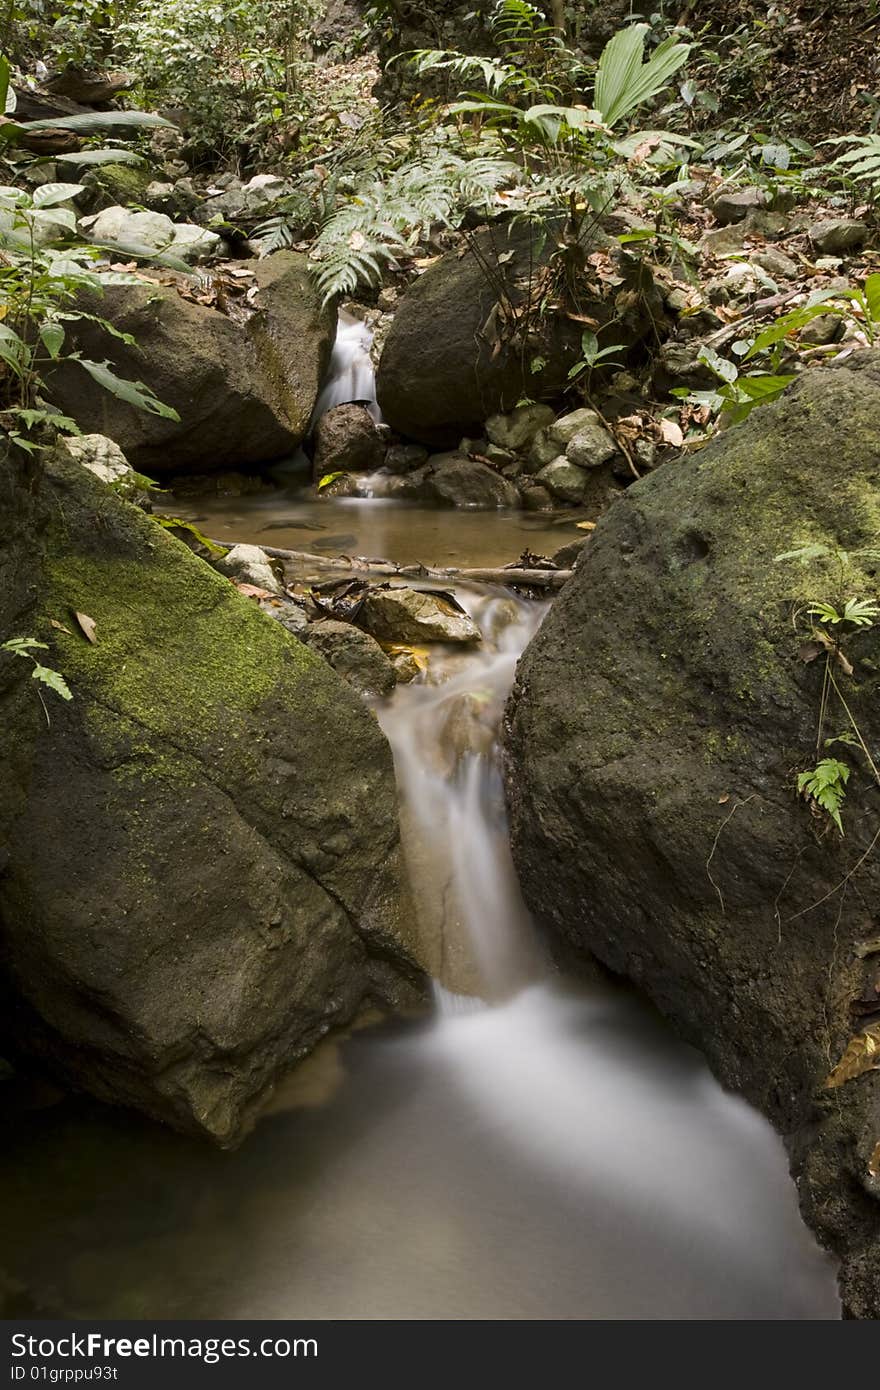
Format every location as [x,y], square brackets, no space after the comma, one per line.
[59,627]
[874,1161]
[87,625]
[671,433]
[251,590]
[862,1055]
[585,525]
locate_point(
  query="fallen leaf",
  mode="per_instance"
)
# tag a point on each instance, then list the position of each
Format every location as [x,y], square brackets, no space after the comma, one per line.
[809,651]
[251,590]
[585,525]
[87,625]
[671,433]
[862,1055]
[723,800]
[53,622]
[874,1162]
[845,665]
[868,948]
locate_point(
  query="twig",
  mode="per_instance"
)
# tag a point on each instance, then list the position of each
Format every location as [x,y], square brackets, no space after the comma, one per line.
[837,887]
[356,564]
[733,810]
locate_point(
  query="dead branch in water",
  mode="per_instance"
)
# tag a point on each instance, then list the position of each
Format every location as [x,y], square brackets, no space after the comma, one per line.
[357,564]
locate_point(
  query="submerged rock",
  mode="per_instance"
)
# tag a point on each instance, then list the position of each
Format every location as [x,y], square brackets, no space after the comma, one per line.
[415,615]
[347,439]
[245,392]
[200,871]
[453,480]
[653,739]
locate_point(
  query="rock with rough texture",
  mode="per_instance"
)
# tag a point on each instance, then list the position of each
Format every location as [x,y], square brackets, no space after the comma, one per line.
[248,564]
[288,613]
[100,456]
[834,235]
[565,480]
[199,852]
[455,481]
[354,655]
[244,392]
[516,430]
[736,205]
[413,616]
[591,446]
[823,329]
[152,232]
[450,361]
[652,744]
[347,439]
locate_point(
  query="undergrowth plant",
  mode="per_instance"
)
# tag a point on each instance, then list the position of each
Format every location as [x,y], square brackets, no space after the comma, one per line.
[44,675]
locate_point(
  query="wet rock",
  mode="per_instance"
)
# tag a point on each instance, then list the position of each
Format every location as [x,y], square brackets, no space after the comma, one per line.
[347,439]
[290,615]
[151,231]
[406,666]
[354,655]
[835,235]
[735,206]
[249,565]
[202,870]
[592,445]
[516,430]
[244,392]
[567,556]
[823,329]
[535,497]
[652,745]
[413,616]
[449,361]
[404,458]
[456,481]
[343,485]
[564,480]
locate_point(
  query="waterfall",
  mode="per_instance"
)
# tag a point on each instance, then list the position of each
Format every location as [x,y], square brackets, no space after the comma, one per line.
[350,376]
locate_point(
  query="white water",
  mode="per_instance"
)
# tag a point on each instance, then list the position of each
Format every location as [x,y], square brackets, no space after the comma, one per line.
[350,375]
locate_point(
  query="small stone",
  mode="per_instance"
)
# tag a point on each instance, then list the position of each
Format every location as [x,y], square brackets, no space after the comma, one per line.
[567,426]
[733,207]
[347,440]
[516,430]
[564,479]
[775,263]
[100,456]
[824,329]
[403,458]
[406,667]
[354,655]
[249,565]
[456,481]
[413,616]
[535,497]
[833,235]
[290,615]
[592,446]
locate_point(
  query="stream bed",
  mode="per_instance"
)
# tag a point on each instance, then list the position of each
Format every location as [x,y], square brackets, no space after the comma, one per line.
[552,1153]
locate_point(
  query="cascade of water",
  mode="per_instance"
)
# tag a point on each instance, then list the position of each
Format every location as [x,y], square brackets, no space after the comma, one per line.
[350,376]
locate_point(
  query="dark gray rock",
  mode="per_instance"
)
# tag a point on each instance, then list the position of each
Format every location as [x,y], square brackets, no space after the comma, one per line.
[354,655]
[652,740]
[347,439]
[836,235]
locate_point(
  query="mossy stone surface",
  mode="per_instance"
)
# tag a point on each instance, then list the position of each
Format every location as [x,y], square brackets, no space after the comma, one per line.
[201,866]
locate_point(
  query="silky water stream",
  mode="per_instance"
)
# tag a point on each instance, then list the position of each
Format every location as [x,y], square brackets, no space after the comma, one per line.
[546,1151]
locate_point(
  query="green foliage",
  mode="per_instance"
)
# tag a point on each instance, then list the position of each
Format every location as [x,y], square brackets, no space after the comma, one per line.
[861,162]
[825,785]
[53,680]
[625,80]
[859,612]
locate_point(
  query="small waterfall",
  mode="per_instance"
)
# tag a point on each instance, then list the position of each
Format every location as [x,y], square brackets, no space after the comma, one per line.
[444,734]
[350,376]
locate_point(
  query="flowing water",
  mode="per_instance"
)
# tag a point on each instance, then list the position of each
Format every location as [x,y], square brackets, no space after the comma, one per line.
[554,1153]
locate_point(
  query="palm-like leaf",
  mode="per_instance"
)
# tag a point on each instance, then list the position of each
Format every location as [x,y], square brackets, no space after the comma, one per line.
[624,80]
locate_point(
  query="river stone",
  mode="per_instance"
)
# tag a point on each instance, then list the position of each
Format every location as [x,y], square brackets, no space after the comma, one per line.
[347,439]
[414,615]
[736,205]
[456,481]
[565,480]
[152,232]
[835,235]
[244,392]
[354,655]
[200,870]
[100,456]
[248,564]
[592,446]
[823,329]
[652,742]
[519,428]
[449,362]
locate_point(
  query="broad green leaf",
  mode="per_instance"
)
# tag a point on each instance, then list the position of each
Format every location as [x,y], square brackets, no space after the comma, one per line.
[54,217]
[52,336]
[872,296]
[21,646]
[133,392]
[100,120]
[108,156]
[48,194]
[5,89]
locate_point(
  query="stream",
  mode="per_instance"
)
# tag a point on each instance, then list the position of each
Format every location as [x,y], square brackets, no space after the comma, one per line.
[554,1153]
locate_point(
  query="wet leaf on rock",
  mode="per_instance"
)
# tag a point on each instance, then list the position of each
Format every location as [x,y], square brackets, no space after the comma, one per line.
[862,1055]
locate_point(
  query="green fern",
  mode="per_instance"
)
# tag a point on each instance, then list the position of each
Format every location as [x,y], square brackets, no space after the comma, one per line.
[862,162]
[825,785]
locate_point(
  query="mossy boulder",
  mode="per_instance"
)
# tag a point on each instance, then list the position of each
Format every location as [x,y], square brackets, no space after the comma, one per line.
[244,389]
[199,870]
[464,341]
[653,741]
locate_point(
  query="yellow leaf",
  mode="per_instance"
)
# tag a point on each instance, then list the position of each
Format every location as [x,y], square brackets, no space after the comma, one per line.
[862,1055]
[585,525]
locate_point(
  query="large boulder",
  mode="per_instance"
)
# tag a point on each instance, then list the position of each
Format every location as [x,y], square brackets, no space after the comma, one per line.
[244,389]
[456,355]
[653,741]
[199,870]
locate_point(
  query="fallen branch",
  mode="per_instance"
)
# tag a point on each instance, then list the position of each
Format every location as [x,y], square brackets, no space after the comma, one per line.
[532,578]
